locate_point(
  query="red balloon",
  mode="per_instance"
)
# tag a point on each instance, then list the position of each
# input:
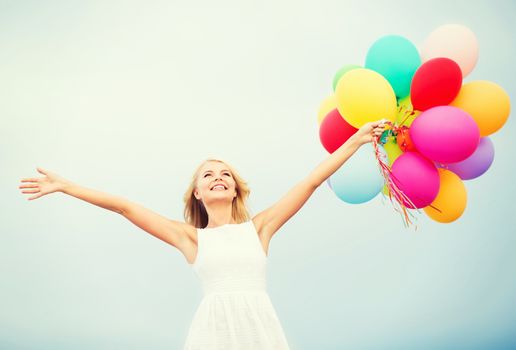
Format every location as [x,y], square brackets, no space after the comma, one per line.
[334,131]
[404,141]
[436,82]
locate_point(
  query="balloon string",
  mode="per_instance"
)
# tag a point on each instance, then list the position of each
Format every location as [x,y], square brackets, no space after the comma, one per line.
[393,190]
[407,112]
[396,195]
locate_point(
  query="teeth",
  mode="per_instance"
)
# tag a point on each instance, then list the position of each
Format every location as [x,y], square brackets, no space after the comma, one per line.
[218,187]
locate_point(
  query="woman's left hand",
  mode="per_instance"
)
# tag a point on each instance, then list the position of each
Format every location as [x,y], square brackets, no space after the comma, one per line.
[370,130]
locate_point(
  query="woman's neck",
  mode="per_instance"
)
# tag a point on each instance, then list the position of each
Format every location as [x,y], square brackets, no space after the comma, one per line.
[219,215]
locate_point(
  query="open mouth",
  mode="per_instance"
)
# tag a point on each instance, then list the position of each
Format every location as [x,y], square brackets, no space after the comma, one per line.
[218,188]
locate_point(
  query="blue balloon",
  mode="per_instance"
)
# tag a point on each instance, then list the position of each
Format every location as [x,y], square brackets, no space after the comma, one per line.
[397,59]
[359,179]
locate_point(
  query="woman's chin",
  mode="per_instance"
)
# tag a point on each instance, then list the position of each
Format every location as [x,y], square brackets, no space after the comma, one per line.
[218,197]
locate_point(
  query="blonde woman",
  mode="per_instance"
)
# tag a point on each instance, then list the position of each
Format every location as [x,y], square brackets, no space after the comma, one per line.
[227,249]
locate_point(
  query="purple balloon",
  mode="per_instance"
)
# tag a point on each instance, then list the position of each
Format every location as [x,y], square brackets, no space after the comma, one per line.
[417,177]
[476,164]
[445,134]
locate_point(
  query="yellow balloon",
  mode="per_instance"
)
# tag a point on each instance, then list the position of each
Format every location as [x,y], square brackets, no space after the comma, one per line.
[406,114]
[392,149]
[363,96]
[327,105]
[486,102]
[451,200]
[385,190]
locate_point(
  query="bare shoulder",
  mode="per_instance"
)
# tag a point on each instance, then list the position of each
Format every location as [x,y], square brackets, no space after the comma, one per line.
[188,244]
[262,235]
[179,234]
[190,232]
[258,223]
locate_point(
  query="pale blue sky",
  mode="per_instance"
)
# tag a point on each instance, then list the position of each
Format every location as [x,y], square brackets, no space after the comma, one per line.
[129,97]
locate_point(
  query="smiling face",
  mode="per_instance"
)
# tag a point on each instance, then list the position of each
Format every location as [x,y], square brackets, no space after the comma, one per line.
[215,182]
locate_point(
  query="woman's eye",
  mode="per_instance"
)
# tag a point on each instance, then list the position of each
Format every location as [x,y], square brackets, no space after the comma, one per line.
[206,175]
[228,174]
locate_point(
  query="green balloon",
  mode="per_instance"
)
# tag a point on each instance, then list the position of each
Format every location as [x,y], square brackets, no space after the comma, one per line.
[341,72]
[397,59]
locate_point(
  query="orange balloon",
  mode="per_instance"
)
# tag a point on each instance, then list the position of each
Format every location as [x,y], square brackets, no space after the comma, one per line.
[486,102]
[451,200]
[404,141]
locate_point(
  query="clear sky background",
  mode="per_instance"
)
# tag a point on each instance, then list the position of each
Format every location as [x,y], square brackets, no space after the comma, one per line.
[129,97]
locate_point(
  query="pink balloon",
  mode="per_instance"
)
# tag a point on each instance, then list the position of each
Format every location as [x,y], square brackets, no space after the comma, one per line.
[452,41]
[417,177]
[445,134]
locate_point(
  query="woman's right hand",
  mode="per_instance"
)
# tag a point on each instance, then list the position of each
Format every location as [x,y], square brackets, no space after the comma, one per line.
[50,183]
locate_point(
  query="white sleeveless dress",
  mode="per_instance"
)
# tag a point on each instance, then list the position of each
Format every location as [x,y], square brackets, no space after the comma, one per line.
[236,312]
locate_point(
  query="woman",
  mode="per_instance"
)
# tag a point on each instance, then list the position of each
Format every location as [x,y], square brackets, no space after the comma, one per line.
[226,248]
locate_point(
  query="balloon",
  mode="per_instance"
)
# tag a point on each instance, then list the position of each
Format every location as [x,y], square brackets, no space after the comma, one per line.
[406,113]
[453,41]
[341,72]
[397,59]
[364,96]
[359,179]
[392,149]
[403,139]
[385,190]
[417,177]
[445,134]
[334,131]
[327,105]
[476,164]
[486,102]
[437,82]
[451,200]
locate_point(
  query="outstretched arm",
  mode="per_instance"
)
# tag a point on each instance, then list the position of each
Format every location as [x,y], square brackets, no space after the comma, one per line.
[270,220]
[169,231]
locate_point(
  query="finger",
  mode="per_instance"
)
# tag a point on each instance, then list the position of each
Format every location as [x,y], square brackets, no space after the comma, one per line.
[384,123]
[34,197]
[41,170]
[28,186]
[30,179]
[31,191]
[378,124]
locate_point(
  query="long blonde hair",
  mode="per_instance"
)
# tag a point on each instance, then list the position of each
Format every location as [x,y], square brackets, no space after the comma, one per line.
[195,213]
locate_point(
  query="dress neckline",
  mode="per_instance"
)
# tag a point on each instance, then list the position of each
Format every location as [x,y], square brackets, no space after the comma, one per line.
[214,228]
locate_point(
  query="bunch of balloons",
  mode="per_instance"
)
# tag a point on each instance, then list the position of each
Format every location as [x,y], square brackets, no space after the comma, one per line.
[440,125]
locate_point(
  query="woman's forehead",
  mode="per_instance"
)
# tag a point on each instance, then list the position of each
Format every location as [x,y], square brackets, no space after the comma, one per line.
[214,166]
